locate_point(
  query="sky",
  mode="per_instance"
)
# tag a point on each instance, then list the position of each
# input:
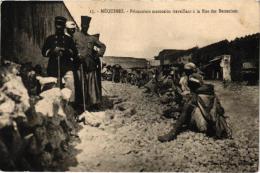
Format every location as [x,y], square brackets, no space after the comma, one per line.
[143,35]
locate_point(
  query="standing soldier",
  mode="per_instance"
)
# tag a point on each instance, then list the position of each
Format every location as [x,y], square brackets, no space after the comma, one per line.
[71,76]
[61,51]
[85,44]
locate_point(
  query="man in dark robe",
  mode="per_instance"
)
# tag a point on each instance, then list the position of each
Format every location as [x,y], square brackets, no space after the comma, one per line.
[90,95]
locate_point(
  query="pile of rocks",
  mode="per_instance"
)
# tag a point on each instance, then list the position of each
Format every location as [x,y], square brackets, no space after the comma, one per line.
[34,131]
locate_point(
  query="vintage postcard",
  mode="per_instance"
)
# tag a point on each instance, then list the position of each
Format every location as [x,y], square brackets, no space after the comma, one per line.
[130,86]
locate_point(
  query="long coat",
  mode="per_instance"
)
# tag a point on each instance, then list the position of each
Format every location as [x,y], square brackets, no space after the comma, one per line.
[85,44]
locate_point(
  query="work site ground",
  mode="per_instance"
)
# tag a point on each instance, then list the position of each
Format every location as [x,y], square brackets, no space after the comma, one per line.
[123,135]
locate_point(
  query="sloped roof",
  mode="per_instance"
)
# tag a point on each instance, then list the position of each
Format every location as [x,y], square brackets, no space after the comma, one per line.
[166,52]
[126,62]
[181,53]
[121,58]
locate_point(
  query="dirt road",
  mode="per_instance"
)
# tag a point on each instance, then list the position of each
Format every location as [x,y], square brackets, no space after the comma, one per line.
[126,139]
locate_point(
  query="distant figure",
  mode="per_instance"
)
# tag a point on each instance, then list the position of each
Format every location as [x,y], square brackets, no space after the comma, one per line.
[123,74]
[116,73]
[225,64]
[107,72]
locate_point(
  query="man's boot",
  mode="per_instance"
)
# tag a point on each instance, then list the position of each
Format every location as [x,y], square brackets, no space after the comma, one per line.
[171,112]
[168,137]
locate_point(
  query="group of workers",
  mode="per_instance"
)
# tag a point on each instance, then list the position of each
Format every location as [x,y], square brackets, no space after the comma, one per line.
[196,102]
[74,59]
[117,74]
[182,88]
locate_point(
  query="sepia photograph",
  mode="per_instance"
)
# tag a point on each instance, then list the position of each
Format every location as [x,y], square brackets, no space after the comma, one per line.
[129,86]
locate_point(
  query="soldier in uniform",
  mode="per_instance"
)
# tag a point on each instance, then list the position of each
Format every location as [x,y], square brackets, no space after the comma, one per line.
[61,51]
[71,76]
[86,46]
[194,81]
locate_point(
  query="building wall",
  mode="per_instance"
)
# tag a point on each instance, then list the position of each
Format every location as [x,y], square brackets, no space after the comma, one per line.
[244,49]
[154,63]
[177,60]
[165,56]
[25,26]
[185,59]
[169,61]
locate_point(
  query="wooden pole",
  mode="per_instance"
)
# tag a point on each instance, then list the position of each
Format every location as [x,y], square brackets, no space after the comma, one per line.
[83,87]
[59,73]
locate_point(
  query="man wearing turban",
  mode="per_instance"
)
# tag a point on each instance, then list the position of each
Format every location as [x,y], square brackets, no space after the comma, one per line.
[89,49]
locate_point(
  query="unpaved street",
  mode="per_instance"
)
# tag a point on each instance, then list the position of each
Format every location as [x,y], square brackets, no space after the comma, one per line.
[126,139]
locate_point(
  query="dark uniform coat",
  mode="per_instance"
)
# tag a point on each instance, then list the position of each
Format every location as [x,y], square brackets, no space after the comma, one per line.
[68,58]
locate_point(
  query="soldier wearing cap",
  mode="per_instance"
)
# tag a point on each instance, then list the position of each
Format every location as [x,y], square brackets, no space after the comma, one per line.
[86,48]
[61,51]
[193,81]
[71,76]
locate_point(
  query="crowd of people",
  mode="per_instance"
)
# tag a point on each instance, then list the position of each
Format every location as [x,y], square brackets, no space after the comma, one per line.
[189,99]
[74,63]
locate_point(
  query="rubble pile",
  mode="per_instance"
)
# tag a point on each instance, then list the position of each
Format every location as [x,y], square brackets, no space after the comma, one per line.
[34,131]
